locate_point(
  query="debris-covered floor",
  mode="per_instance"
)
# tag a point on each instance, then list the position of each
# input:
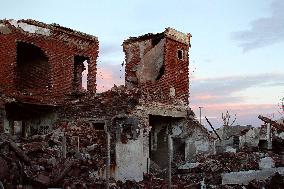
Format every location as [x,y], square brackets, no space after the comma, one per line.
[39,162]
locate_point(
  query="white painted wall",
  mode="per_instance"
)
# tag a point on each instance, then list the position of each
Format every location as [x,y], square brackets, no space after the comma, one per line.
[131,159]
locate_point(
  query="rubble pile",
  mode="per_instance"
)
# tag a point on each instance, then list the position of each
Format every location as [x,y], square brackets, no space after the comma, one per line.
[207,171]
[117,100]
[40,160]
[152,182]
[212,167]
[274,182]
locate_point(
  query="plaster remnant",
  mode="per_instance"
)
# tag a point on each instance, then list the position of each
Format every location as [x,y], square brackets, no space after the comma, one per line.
[129,157]
[151,63]
[178,36]
[4,29]
[172,92]
[30,28]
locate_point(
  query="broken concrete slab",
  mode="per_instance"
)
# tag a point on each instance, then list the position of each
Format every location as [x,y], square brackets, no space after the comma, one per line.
[266,162]
[230,149]
[244,177]
[189,166]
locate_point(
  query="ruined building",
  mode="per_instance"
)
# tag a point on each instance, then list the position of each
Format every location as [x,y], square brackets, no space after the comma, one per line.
[49,104]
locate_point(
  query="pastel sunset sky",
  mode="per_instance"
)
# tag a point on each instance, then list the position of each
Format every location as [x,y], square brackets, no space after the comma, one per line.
[237,53]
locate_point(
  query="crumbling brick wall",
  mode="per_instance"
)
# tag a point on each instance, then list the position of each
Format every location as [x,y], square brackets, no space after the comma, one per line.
[59,45]
[153,64]
[104,105]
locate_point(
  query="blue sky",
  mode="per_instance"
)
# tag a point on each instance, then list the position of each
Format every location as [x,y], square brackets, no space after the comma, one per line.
[236,59]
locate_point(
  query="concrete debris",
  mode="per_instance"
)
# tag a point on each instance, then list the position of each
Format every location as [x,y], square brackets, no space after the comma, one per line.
[230,149]
[47,167]
[188,166]
[245,177]
[266,163]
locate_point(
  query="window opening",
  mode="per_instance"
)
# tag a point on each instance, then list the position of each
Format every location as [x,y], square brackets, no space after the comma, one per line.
[180,54]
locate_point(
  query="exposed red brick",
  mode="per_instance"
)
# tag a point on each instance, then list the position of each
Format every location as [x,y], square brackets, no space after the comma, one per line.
[60,48]
[175,70]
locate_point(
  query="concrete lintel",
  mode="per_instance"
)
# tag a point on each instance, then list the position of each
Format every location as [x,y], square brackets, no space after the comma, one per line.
[170,113]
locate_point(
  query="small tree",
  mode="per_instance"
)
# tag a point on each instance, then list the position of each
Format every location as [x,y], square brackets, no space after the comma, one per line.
[281,107]
[226,119]
[282,104]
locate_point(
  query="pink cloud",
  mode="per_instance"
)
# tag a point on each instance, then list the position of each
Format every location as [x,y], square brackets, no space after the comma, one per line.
[205,97]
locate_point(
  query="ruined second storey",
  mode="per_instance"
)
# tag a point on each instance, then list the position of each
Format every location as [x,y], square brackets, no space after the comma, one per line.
[48,64]
[45,63]
[159,65]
